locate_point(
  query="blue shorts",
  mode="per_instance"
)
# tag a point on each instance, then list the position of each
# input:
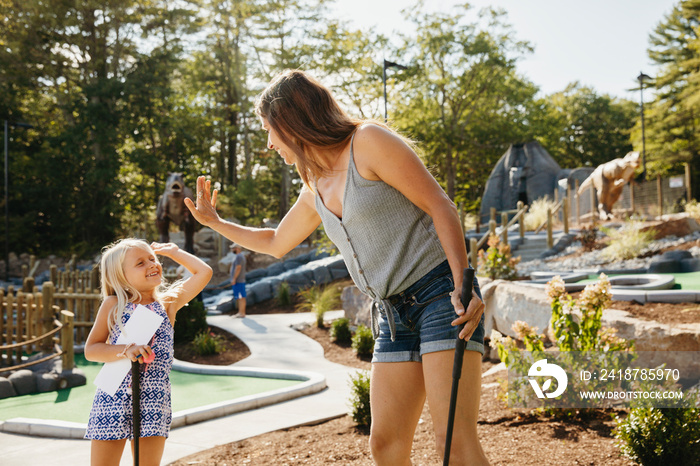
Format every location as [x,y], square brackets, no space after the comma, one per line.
[238,291]
[423,314]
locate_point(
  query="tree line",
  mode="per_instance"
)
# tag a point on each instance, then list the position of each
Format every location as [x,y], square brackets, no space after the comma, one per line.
[121,92]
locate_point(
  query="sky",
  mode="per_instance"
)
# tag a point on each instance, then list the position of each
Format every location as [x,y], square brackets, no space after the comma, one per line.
[599,43]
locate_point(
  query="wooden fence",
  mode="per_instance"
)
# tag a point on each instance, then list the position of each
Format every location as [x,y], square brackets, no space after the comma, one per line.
[29,323]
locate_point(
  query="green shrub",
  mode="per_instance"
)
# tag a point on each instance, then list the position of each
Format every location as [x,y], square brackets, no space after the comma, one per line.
[191,320]
[284,298]
[498,261]
[363,341]
[206,343]
[655,436]
[627,242]
[319,301]
[693,209]
[340,331]
[359,403]
[537,213]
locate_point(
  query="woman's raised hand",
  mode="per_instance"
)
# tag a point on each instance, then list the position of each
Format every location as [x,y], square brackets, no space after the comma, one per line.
[204,211]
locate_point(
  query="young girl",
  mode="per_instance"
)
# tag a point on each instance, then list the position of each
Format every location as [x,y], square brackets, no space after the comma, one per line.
[132,275]
[402,241]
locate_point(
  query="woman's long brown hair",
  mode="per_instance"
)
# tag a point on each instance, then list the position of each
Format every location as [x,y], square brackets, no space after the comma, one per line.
[307,117]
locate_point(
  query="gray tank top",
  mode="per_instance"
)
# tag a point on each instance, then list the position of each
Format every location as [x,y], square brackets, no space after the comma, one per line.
[386,241]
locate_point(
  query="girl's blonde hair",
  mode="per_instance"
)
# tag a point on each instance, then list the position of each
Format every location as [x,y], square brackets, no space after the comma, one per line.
[113,280]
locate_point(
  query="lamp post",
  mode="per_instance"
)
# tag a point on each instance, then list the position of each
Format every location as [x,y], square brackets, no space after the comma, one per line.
[7,197]
[641,79]
[388,64]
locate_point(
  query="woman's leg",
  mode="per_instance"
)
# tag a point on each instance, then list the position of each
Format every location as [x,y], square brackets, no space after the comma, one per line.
[437,369]
[106,452]
[397,396]
[150,450]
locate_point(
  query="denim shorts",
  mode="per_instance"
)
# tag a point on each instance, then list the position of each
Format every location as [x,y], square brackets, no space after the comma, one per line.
[423,314]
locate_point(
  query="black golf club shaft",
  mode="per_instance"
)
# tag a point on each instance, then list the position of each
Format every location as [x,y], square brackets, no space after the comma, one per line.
[467,286]
[136,399]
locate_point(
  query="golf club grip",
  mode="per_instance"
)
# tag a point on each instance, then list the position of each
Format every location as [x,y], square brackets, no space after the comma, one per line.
[467,287]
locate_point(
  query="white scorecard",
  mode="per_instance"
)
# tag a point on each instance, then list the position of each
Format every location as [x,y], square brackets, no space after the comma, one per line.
[139,329]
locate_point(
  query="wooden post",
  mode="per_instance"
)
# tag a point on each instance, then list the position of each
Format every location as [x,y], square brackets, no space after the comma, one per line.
[688,191]
[492,214]
[25,270]
[550,239]
[492,227]
[68,356]
[10,324]
[504,224]
[659,195]
[28,285]
[20,321]
[53,273]
[46,314]
[473,253]
[565,206]
[632,196]
[594,207]
[521,219]
[31,321]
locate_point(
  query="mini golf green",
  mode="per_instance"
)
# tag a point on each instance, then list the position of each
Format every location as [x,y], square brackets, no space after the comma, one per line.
[189,391]
[684,281]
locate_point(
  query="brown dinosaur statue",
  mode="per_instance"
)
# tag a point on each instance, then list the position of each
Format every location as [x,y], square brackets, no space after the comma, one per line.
[608,179]
[171,208]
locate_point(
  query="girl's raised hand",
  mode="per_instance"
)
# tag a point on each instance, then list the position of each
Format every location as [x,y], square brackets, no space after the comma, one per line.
[204,211]
[164,249]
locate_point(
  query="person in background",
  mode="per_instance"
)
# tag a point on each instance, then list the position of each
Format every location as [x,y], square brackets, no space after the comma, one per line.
[131,275]
[238,266]
[402,241]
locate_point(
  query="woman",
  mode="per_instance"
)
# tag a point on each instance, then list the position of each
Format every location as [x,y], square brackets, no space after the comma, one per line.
[401,239]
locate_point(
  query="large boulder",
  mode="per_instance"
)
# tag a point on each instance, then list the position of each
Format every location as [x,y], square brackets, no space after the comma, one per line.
[508,302]
[24,381]
[674,344]
[357,305]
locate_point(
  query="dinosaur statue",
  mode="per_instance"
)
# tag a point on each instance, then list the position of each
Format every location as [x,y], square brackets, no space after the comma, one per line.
[171,208]
[608,179]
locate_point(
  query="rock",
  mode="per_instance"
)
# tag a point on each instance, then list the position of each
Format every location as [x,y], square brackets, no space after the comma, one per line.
[678,225]
[6,388]
[24,382]
[75,377]
[46,382]
[674,344]
[357,306]
[509,302]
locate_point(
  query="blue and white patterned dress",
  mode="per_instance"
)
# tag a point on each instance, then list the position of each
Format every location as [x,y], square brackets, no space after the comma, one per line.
[111,417]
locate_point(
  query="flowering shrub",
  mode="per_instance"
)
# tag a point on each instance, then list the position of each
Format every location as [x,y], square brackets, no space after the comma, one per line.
[576,327]
[498,261]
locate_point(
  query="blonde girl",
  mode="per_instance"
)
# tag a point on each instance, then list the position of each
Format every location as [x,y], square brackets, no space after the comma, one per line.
[131,275]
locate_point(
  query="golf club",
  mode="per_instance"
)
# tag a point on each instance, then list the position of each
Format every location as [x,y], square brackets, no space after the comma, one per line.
[467,285]
[136,398]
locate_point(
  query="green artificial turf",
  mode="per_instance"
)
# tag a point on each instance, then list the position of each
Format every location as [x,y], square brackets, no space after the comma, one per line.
[189,391]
